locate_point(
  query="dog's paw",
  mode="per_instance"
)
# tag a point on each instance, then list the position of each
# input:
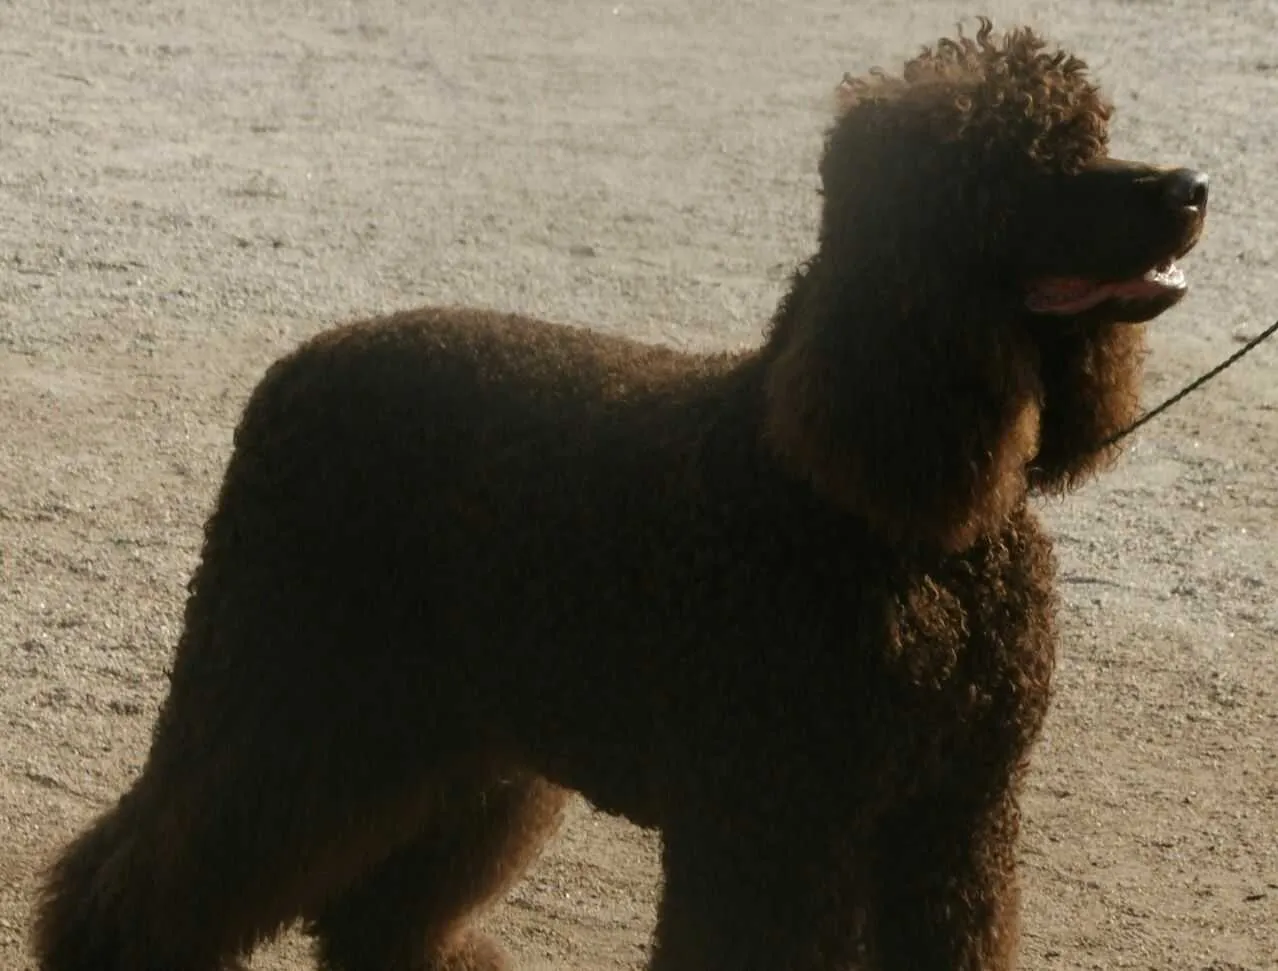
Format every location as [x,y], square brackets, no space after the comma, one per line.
[474,952]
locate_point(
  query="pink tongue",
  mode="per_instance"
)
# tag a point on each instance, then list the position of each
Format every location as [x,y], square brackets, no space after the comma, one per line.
[1066,296]
[1072,295]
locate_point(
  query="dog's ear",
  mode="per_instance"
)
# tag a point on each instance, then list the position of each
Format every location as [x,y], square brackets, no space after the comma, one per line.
[911,197]
[924,428]
[895,384]
[1091,392]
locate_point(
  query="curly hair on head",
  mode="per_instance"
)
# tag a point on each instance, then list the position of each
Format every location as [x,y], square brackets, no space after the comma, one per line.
[945,399]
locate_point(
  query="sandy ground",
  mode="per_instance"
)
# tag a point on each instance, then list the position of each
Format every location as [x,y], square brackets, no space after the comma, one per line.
[187,189]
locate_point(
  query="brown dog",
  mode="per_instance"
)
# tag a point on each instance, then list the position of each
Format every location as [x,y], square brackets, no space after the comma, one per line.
[789,606]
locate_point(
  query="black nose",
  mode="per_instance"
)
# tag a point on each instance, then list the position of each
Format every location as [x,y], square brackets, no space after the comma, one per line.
[1185,187]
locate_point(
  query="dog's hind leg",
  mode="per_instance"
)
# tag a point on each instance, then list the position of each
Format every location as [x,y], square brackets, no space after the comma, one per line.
[201,861]
[158,882]
[411,912]
[293,751]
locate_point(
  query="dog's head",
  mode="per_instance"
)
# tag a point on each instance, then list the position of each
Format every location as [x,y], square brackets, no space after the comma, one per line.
[984,272]
[981,175]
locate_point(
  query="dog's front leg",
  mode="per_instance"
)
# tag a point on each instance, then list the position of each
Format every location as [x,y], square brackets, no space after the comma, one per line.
[747,891]
[944,891]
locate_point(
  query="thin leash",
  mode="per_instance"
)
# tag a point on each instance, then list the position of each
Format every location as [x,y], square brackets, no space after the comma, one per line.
[1194,385]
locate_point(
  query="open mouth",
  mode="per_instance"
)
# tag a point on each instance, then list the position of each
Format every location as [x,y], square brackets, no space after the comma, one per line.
[1073,295]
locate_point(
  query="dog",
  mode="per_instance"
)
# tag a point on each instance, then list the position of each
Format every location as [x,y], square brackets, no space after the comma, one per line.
[789,606]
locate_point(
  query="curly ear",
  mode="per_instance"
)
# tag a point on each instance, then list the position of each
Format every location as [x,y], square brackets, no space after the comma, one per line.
[891,386]
[923,427]
[1091,391]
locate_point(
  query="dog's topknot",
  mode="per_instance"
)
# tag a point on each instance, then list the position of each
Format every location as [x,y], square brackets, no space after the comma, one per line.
[991,81]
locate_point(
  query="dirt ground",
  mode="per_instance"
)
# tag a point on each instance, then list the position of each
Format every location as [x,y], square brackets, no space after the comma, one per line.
[189,188]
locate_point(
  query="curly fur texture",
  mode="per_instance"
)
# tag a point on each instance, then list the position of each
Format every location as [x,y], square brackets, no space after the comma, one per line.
[929,424]
[788,606]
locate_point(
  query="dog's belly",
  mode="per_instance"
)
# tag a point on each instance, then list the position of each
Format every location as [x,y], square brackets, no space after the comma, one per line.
[606,777]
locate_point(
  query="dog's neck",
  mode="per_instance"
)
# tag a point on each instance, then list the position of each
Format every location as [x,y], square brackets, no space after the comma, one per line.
[902,418]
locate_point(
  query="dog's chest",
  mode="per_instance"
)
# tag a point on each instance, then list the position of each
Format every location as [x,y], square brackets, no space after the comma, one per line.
[971,640]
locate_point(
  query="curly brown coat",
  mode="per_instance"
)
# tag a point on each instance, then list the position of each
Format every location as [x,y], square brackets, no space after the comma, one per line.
[789,606]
